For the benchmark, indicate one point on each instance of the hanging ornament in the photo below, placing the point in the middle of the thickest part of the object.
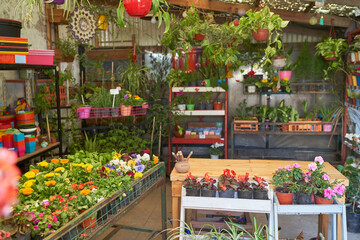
(321, 20)
(241, 12)
(319, 3)
(313, 20)
(153, 20)
(184, 14)
(137, 8)
(83, 24)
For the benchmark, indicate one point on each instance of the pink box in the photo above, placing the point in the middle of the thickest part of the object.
(8, 144)
(41, 57)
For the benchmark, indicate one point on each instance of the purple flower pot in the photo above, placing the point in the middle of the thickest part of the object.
(55, 2)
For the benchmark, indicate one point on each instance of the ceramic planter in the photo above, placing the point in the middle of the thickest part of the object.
(279, 62)
(193, 192)
(208, 193)
(260, 35)
(214, 156)
(263, 194)
(182, 167)
(136, 8)
(125, 110)
(246, 194)
(321, 200)
(181, 107)
(251, 89)
(201, 106)
(285, 74)
(284, 198)
(190, 106)
(227, 193)
(353, 221)
(209, 106)
(303, 198)
(218, 106)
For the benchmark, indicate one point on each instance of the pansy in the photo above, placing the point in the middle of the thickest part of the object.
(139, 168)
(138, 175)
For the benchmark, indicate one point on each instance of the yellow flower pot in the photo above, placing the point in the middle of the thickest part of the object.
(102, 22)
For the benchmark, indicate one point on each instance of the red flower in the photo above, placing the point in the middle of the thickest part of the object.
(189, 176)
(251, 74)
(196, 89)
(223, 187)
(206, 177)
(93, 186)
(233, 173)
(74, 186)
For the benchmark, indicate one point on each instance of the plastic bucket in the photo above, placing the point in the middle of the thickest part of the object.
(7, 121)
(285, 74)
(25, 118)
(83, 112)
(327, 127)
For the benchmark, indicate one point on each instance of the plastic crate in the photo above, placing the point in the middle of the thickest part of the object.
(305, 126)
(52, 95)
(246, 125)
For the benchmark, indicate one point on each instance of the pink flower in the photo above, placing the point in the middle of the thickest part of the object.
(45, 203)
(325, 177)
(329, 193)
(41, 214)
(306, 180)
(296, 165)
(7, 235)
(312, 166)
(49, 225)
(339, 189)
(54, 219)
(319, 159)
(308, 173)
(35, 227)
(197, 65)
(287, 167)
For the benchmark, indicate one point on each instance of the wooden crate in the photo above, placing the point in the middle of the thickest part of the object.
(191, 136)
(305, 126)
(246, 125)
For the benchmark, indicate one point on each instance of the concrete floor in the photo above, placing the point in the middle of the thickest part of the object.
(147, 214)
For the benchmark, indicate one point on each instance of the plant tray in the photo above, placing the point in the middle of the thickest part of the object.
(305, 126)
(246, 125)
(110, 112)
(206, 136)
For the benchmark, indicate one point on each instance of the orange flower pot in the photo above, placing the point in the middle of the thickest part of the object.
(285, 198)
(125, 110)
(218, 106)
(320, 200)
(89, 222)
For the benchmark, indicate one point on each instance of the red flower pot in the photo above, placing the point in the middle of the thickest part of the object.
(89, 222)
(331, 58)
(260, 35)
(218, 106)
(199, 37)
(285, 198)
(137, 8)
(321, 200)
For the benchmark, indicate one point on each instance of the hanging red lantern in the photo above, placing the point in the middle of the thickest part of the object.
(137, 8)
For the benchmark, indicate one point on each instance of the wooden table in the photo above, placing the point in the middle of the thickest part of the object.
(261, 168)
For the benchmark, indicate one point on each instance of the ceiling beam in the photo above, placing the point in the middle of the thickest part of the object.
(233, 8)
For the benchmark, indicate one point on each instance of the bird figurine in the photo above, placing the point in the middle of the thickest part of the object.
(21, 105)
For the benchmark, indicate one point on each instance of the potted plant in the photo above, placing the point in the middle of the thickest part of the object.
(263, 85)
(260, 189)
(250, 79)
(66, 49)
(227, 184)
(285, 85)
(273, 117)
(133, 77)
(352, 172)
(208, 186)
(218, 105)
(190, 102)
(327, 116)
(331, 48)
(175, 78)
(201, 104)
(100, 101)
(244, 190)
(244, 118)
(304, 189)
(192, 185)
(262, 114)
(207, 97)
(180, 100)
(216, 150)
(18, 224)
(285, 182)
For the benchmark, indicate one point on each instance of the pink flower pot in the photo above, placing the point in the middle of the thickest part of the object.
(285, 74)
(327, 127)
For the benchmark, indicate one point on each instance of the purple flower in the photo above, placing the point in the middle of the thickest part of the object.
(37, 221)
(139, 168)
(126, 96)
(138, 161)
(49, 225)
(133, 155)
(35, 227)
(110, 166)
(312, 166)
(287, 167)
(45, 203)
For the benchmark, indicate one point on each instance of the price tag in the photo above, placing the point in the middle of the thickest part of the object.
(114, 91)
(201, 136)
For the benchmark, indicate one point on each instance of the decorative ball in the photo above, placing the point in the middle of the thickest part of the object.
(313, 20)
(241, 12)
(153, 20)
(44, 144)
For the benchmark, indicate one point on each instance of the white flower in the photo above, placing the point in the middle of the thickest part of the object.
(145, 157)
(99, 200)
(114, 162)
(217, 145)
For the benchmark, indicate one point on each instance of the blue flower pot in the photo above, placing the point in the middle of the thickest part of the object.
(358, 80)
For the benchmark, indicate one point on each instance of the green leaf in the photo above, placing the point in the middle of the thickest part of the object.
(120, 14)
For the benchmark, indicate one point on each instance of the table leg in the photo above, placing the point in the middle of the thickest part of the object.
(333, 226)
(323, 226)
(163, 206)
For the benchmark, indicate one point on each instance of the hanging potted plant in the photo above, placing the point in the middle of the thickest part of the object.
(260, 188)
(331, 48)
(244, 190)
(216, 150)
(284, 180)
(227, 184)
(208, 188)
(192, 185)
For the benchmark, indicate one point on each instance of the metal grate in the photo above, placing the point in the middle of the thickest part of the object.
(109, 112)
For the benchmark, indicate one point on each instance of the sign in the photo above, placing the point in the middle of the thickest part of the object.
(114, 91)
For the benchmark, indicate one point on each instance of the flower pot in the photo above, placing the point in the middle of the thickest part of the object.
(260, 35)
(274, 128)
(53, 139)
(284, 198)
(260, 194)
(193, 83)
(83, 112)
(262, 127)
(207, 83)
(125, 110)
(10, 28)
(251, 89)
(181, 107)
(102, 22)
(208, 193)
(321, 200)
(214, 156)
(201, 106)
(330, 58)
(209, 106)
(182, 167)
(199, 37)
(220, 81)
(178, 135)
(303, 198)
(327, 127)
(190, 106)
(227, 193)
(284, 128)
(192, 192)
(136, 8)
(352, 220)
(352, 57)
(264, 89)
(247, 194)
(88, 222)
(218, 106)
(115, 112)
(358, 80)
(55, 2)
(285, 74)
(279, 62)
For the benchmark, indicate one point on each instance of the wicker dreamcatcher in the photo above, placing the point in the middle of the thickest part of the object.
(83, 24)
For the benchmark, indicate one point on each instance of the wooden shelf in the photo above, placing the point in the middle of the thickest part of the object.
(25, 66)
(197, 89)
(38, 150)
(201, 112)
(285, 133)
(197, 140)
(348, 145)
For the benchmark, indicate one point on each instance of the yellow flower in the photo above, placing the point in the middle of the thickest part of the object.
(49, 175)
(49, 183)
(156, 159)
(264, 80)
(107, 169)
(27, 191)
(120, 184)
(55, 160)
(35, 171)
(59, 169)
(64, 161)
(130, 95)
(78, 164)
(124, 194)
(29, 175)
(285, 79)
(137, 97)
(138, 175)
(43, 164)
(67, 180)
(85, 192)
(131, 163)
(29, 183)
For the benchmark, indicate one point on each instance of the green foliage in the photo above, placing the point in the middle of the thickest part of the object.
(101, 98)
(158, 84)
(191, 99)
(90, 145)
(133, 78)
(243, 112)
(327, 113)
(208, 96)
(286, 178)
(176, 77)
(68, 46)
(263, 113)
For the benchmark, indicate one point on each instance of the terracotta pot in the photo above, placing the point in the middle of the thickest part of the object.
(218, 106)
(321, 200)
(260, 35)
(125, 110)
(182, 167)
(89, 222)
(331, 58)
(53, 140)
(284, 198)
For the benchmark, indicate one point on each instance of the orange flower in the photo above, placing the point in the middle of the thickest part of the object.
(74, 186)
(49, 183)
(52, 198)
(93, 186)
(27, 191)
(35, 171)
(18, 178)
(64, 161)
(55, 160)
(89, 183)
(223, 187)
(156, 160)
(85, 192)
(81, 186)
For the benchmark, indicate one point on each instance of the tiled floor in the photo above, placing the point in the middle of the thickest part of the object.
(147, 214)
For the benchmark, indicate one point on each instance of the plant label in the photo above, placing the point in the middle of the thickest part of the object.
(114, 91)
(201, 136)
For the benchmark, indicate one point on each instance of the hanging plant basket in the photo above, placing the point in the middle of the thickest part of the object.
(137, 8)
(260, 35)
(55, 2)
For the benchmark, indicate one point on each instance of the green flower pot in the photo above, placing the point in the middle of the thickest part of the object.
(190, 106)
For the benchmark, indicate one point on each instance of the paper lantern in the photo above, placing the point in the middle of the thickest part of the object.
(137, 8)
